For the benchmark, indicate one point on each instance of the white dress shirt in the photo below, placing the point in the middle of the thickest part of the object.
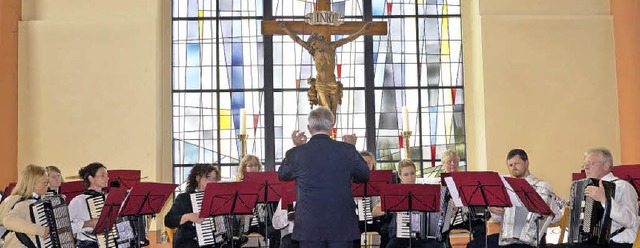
(624, 210)
(78, 214)
(281, 221)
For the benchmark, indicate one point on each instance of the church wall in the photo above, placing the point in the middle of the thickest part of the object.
(548, 84)
(91, 86)
(539, 75)
(626, 26)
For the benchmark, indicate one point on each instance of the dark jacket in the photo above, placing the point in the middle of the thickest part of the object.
(185, 235)
(323, 169)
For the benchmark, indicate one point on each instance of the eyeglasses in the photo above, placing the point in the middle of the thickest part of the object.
(589, 164)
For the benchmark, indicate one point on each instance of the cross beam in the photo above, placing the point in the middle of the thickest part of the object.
(300, 27)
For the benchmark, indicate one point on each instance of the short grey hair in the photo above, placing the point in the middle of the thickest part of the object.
(321, 119)
(605, 154)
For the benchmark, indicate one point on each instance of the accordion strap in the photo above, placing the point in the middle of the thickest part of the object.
(23, 238)
(26, 241)
(620, 230)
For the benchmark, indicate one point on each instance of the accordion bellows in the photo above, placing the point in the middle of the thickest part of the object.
(589, 221)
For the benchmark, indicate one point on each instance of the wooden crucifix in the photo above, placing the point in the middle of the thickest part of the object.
(325, 89)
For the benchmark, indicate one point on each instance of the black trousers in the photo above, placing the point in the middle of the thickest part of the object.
(413, 243)
(86, 244)
(326, 244)
(492, 241)
(587, 245)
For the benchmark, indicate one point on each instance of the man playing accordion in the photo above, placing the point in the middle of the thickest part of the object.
(618, 225)
(518, 226)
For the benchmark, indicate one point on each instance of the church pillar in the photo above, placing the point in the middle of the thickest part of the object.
(626, 27)
(539, 75)
(9, 17)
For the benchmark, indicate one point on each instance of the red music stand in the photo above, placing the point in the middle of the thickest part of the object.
(270, 189)
(124, 178)
(410, 197)
(7, 191)
(233, 198)
(109, 212)
(479, 188)
(530, 199)
(578, 176)
(269, 193)
(71, 189)
(289, 197)
(528, 196)
(373, 186)
(630, 173)
(145, 199)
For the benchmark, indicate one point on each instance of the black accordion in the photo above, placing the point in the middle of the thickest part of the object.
(212, 230)
(52, 212)
(120, 235)
(589, 221)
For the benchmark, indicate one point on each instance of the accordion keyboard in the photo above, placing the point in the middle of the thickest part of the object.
(364, 208)
(205, 231)
(105, 239)
(53, 213)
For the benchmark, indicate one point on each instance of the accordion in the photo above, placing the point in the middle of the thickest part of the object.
(589, 222)
(411, 225)
(212, 230)
(119, 235)
(519, 226)
(446, 213)
(52, 212)
(365, 208)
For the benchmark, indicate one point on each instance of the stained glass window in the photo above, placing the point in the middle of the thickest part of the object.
(222, 63)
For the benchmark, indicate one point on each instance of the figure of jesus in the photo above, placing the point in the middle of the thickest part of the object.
(325, 90)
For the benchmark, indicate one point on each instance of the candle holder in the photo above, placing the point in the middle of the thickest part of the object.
(243, 144)
(407, 149)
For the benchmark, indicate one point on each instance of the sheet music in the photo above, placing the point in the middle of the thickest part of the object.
(453, 190)
(515, 200)
(428, 180)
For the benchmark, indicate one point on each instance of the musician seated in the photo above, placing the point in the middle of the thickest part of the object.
(95, 178)
(375, 218)
(518, 165)
(55, 180)
(459, 218)
(22, 232)
(598, 164)
(407, 175)
(257, 223)
(181, 214)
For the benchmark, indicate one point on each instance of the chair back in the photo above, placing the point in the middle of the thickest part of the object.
(562, 223)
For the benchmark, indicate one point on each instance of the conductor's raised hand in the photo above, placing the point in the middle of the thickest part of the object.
(350, 138)
(298, 138)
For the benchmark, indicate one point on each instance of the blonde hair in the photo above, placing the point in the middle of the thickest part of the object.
(448, 155)
(370, 155)
(242, 166)
(28, 178)
(404, 164)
